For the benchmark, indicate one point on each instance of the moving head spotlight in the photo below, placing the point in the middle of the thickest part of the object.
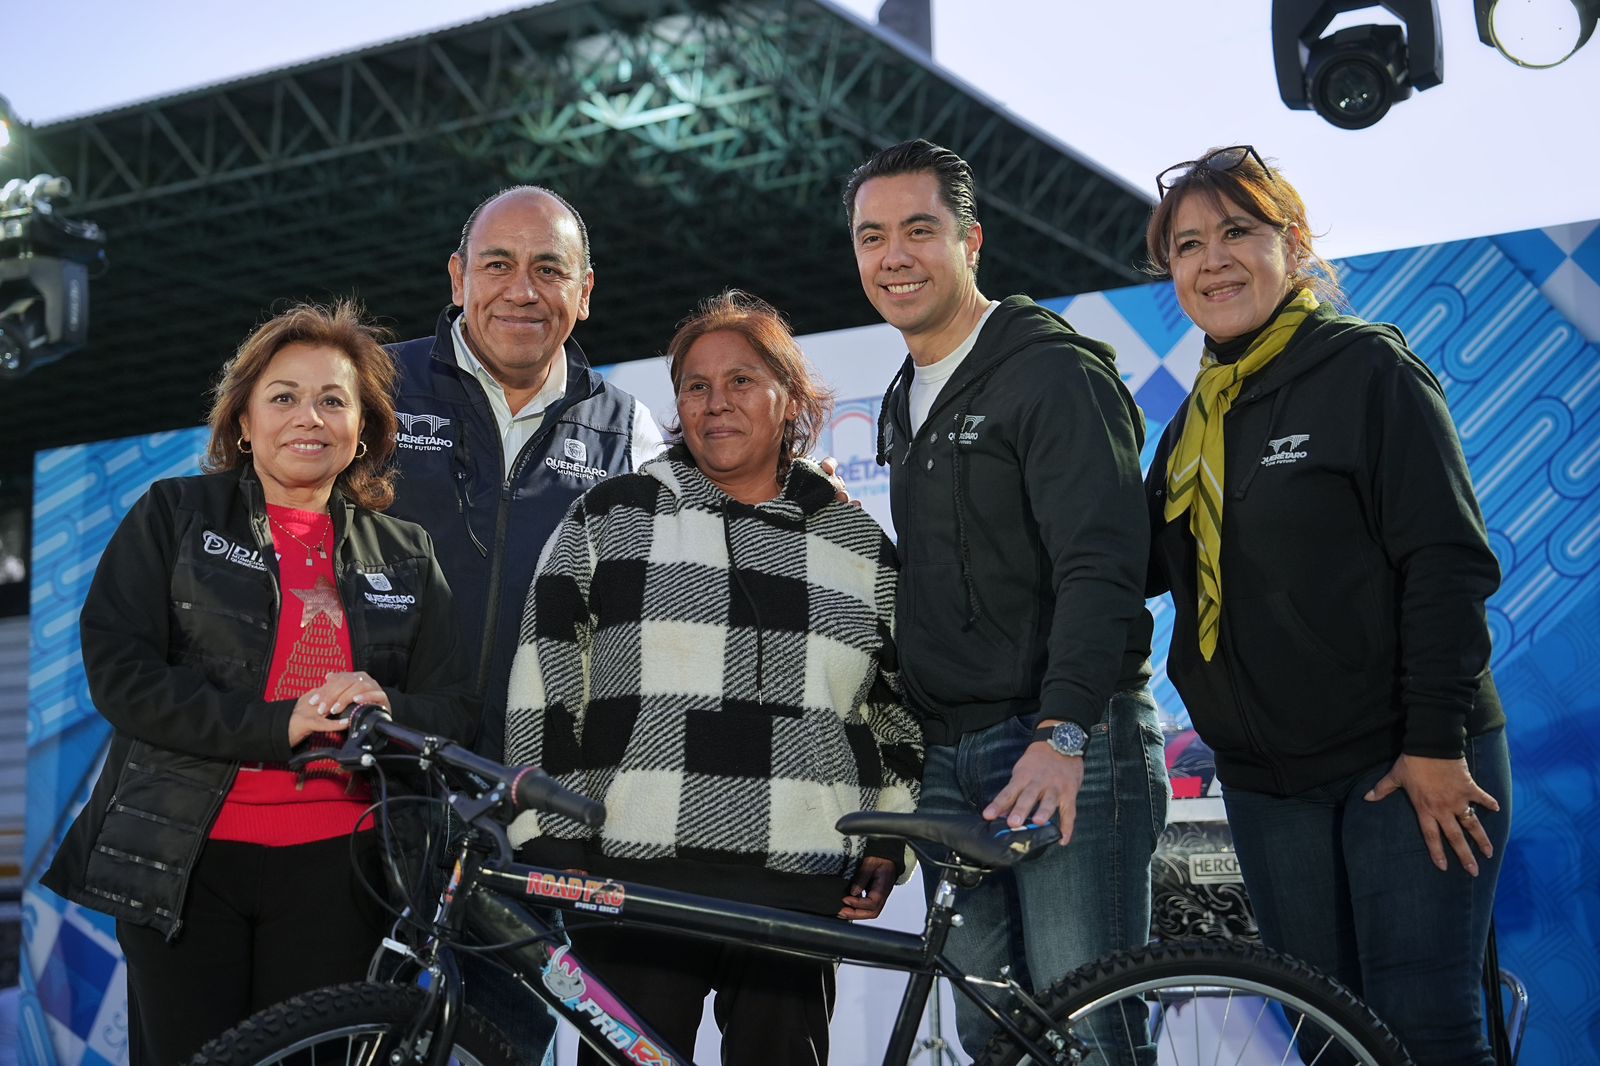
(1351, 78)
(44, 274)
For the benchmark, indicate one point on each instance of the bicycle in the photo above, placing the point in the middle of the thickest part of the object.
(412, 1013)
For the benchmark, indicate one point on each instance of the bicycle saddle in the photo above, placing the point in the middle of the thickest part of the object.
(992, 844)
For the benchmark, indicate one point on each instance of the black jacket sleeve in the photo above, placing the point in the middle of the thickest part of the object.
(125, 627)
(1430, 527)
(1080, 465)
(1157, 580)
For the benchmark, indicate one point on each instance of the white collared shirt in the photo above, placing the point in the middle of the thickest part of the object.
(516, 427)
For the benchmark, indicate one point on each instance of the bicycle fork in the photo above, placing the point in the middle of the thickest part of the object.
(440, 1013)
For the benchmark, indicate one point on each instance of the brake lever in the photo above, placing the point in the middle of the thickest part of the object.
(355, 748)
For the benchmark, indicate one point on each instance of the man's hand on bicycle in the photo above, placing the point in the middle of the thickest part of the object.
(869, 890)
(1042, 784)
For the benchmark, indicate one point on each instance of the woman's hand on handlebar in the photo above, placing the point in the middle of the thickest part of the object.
(325, 709)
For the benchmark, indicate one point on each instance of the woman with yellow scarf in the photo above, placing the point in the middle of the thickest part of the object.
(1313, 517)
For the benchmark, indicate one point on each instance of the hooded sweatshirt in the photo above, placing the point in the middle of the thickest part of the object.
(722, 677)
(1021, 528)
(1355, 566)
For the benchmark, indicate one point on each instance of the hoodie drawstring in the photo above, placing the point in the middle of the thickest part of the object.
(755, 611)
(883, 412)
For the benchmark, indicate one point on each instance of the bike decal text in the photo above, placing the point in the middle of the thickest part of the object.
(585, 893)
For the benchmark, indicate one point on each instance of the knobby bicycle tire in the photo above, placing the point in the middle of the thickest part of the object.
(346, 1024)
(1254, 995)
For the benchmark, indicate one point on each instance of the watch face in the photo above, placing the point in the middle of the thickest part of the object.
(1069, 738)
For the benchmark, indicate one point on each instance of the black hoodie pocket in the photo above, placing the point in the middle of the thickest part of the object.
(963, 661)
(1303, 693)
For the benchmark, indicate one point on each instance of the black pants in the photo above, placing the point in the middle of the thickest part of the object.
(260, 925)
(772, 1009)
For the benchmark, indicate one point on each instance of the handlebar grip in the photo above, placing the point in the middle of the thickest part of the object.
(534, 789)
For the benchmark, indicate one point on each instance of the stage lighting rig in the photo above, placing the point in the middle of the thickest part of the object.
(1352, 77)
(44, 269)
(1536, 33)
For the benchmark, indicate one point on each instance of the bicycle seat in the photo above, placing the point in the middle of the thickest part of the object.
(992, 844)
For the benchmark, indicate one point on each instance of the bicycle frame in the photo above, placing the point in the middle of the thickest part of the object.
(549, 969)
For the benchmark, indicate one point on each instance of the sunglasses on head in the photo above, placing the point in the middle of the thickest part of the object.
(1221, 161)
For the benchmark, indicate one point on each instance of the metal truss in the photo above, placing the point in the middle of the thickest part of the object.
(705, 142)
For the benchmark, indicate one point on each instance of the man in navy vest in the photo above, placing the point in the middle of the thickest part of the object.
(503, 424)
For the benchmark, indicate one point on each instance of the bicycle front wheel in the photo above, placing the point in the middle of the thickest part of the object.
(352, 1025)
(1208, 1002)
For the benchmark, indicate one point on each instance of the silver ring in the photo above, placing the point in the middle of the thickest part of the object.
(1470, 814)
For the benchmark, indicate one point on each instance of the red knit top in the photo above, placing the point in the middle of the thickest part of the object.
(270, 804)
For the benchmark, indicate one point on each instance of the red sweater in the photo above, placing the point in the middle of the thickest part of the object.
(270, 804)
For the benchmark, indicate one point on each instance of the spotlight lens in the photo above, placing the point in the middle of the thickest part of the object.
(1352, 88)
(1352, 92)
(1535, 33)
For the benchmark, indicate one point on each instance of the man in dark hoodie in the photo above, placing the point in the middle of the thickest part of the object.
(1013, 449)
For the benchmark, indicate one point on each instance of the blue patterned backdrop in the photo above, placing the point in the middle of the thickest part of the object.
(1510, 326)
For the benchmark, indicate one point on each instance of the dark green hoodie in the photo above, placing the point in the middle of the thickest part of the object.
(1021, 529)
(1355, 567)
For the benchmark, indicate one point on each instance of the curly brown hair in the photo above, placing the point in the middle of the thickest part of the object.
(369, 480)
(765, 329)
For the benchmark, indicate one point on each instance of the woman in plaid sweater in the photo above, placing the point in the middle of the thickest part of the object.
(707, 647)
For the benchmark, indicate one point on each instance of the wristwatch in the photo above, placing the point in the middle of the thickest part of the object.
(1064, 738)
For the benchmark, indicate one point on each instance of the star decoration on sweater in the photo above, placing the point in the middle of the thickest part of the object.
(323, 599)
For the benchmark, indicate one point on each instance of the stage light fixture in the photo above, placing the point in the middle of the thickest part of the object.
(1352, 77)
(1537, 34)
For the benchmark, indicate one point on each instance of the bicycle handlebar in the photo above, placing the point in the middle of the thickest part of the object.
(528, 787)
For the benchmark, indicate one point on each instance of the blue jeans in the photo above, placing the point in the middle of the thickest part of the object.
(1071, 905)
(1348, 886)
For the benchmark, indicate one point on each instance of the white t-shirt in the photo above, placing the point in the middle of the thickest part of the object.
(927, 381)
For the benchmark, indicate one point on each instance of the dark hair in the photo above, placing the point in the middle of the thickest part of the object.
(1266, 195)
(763, 326)
(956, 187)
(472, 219)
(368, 480)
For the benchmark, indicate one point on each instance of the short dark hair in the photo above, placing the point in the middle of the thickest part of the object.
(472, 219)
(764, 328)
(368, 480)
(956, 186)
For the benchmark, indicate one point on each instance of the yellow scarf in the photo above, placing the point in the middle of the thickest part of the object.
(1195, 467)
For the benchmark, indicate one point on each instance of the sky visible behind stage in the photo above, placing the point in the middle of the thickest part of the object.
(1133, 85)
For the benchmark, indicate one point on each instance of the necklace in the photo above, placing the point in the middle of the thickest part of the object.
(321, 547)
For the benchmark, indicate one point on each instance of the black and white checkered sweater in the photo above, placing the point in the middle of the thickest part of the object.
(726, 713)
